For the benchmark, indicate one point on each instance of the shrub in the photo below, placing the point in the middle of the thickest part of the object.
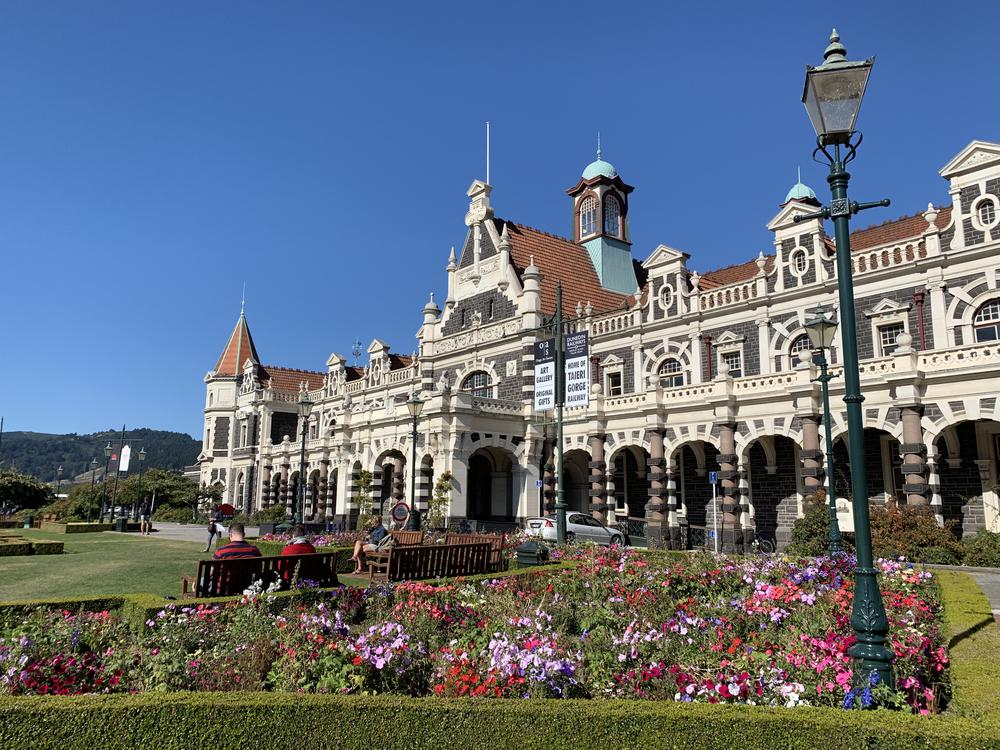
(274, 514)
(982, 550)
(173, 514)
(810, 534)
(15, 549)
(47, 548)
(912, 533)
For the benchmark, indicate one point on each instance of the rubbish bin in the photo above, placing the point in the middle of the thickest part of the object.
(29, 521)
(531, 553)
(121, 524)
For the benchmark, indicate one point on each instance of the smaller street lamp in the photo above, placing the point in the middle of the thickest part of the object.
(138, 490)
(108, 450)
(822, 327)
(415, 405)
(59, 472)
(90, 498)
(304, 406)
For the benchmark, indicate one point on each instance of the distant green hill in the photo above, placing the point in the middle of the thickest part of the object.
(40, 454)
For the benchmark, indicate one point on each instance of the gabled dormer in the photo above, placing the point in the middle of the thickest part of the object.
(974, 185)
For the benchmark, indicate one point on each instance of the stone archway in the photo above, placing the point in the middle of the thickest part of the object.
(966, 472)
(774, 487)
(691, 463)
(628, 481)
(576, 481)
(490, 495)
(883, 467)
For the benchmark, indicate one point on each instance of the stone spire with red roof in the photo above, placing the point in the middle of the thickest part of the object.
(238, 350)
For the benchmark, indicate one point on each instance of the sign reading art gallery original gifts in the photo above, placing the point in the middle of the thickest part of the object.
(577, 370)
(545, 375)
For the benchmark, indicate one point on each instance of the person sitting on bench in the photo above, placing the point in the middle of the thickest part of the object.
(377, 534)
(238, 546)
(299, 545)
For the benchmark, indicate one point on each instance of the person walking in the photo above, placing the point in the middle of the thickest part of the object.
(145, 517)
(214, 527)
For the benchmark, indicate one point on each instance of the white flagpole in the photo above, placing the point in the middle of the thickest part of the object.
(487, 152)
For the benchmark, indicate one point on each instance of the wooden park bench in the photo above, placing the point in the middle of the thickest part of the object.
(407, 538)
(233, 576)
(429, 561)
(498, 560)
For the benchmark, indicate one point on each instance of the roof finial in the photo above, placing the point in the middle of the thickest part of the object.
(835, 52)
(243, 299)
(598, 145)
(799, 178)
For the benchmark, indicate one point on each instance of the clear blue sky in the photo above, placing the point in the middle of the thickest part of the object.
(154, 156)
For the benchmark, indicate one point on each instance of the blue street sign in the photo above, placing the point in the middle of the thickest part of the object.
(711, 532)
(538, 483)
(713, 477)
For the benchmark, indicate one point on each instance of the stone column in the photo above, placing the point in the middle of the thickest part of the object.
(548, 476)
(914, 452)
(397, 480)
(265, 486)
(673, 520)
(732, 536)
(655, 507)
(746, 521)
(811, 454)
(283, 486)
(375, 507)
(324, 487)
(599, 507)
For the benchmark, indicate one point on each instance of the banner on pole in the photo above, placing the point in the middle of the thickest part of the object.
(126, 455)
(577, 370)
(545, 375)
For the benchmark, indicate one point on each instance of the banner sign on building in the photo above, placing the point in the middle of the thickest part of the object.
(545, 375)
(126, 456)
(577, 370)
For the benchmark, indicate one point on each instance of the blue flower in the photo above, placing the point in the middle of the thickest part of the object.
(874, 678)
(849, 699)
(866, 697)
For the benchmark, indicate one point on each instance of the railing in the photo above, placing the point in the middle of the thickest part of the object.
(355, 386)
(771, 382)
(688, 392)
(614, 323)
(634, 530)
(632, 399)
(400, 376)
(876, 367)
(496, 405)
(874, 260)
(727, 295)
(960, 357)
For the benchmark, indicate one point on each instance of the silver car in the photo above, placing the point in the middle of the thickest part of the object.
(579, 527)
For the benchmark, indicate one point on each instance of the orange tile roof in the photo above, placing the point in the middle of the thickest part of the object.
(238, 349)
(896, 230)
(288, 378)
(735, 273)
(561, 260)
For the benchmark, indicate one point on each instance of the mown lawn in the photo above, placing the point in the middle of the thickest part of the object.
(99, 564)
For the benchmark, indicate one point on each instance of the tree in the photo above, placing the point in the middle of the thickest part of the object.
(172, 492)
(22, 491)
(437, 506)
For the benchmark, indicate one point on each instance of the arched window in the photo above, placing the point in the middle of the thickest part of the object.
(489, 310)
(671, 374)
(799, 344)
(987, 213)
(588, 216)
(612, 217)
(800, 261)
(987, 321)
(478, 384)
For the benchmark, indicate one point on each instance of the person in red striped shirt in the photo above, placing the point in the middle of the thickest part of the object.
(299, 545)
(238, 546)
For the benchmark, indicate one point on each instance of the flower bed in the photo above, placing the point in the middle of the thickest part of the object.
(617, 625)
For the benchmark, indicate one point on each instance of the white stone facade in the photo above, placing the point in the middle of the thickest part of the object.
(693, 372)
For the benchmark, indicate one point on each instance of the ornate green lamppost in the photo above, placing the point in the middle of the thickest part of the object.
(90, 497)
(305, 406)
(414, 406)
(821, 329)
(832, 97)
(108, 450)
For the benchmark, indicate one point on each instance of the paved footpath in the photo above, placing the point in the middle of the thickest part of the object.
(184, 532)
(988, 580)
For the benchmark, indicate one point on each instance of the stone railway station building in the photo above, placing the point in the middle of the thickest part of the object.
(692, 371)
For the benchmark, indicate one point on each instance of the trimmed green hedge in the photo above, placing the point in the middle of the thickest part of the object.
(15, 549)
(189, 721)
(47, 548)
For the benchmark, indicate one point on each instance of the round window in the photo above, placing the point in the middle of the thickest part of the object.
(666, 296)
(799, 262)
(986, 212)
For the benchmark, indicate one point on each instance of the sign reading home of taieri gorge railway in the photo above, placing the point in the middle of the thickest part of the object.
(577, 370)
(545, 375)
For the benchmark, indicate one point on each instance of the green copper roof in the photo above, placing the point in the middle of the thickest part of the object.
(800, 191)
(599, 168)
